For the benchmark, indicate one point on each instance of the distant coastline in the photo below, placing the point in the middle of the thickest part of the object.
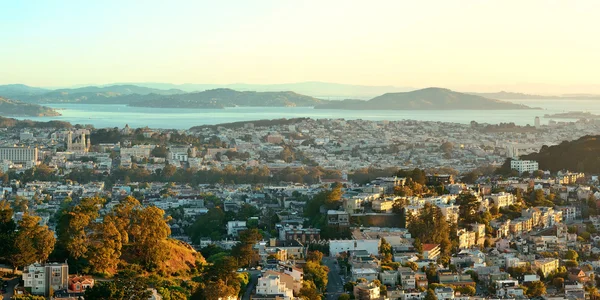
(572, 115)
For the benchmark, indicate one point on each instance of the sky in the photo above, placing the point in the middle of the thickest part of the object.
(535, 46)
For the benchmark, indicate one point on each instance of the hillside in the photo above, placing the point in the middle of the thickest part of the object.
(425, 99)
(10, 90)
(123, 89)
(149, 97)
(221, 98)
(115, 94)
(10, 123)
(311, 88)
(579, 155)
(182, 258)
(17, 108)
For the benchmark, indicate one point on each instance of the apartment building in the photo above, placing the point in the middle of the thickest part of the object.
(41, 277)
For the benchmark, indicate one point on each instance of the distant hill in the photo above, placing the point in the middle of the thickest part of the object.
(17, 108)
(10, 90)
(173, 98)
(580, 155)
(313, 88)
(94, 94)
(11, 123)
(424, 99)
(221, 98)
(520, 96)
(121, 90)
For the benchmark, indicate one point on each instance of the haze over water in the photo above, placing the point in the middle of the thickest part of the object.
(101, 116)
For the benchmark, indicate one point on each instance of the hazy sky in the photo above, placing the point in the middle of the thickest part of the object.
(529, 46)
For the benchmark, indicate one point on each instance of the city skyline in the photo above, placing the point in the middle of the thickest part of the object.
(533, 47)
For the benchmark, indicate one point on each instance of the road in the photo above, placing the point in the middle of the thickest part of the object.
(335, 285)
(10, 289)
(250, 287)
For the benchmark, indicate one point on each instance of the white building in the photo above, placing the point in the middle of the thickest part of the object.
(137, 151)
(338, 246)
(503, 199)
(234, 227)
(40, 277)
(19, 154)
(272, 285)
(524, 165)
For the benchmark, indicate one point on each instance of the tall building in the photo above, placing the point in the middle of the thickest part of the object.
(537, 122)
(19, 154)
(41, 277)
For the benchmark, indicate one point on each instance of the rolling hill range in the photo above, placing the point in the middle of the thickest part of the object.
(424, 99)
(10, 107)
(140, 96)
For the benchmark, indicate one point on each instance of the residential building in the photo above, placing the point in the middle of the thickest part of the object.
(338, 246)
(271, 285)
(234, 227)
(431, 251)
(545, 265)
(366, 291)
(78, 284)
(524, 165)
(444, 293)
(338, 218)
(41, 277)
(389, 277)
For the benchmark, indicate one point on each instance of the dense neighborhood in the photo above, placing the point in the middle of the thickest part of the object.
(297, 209)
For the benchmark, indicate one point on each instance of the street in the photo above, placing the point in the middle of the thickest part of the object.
(10, 288)
(250, 287)
(335, 286)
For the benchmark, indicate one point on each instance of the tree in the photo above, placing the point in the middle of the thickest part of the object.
(7, 230)
(468, 204)
(411, 264)
(430, 295)
(309, 291)
(105, 248)
(430, 226)
(217, 290)
(385, 248)
(72, 226)
(149, 232)
(160, 151)
(349, 286)
(536, 289)
(315, 256)
(558, 282)
(571, 255)
(121, 216)
(344, 297)
(244, 250)
(418, 246)
(33, 242)
(466, 290)
(316, 273)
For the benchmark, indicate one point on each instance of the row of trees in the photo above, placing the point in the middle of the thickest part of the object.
(169, 173)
